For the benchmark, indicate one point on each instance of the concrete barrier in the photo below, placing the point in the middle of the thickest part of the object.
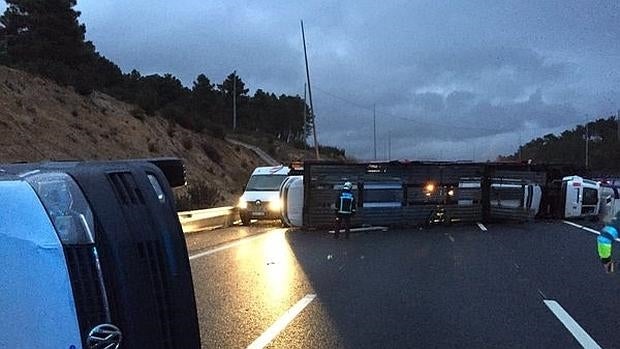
(212, 218)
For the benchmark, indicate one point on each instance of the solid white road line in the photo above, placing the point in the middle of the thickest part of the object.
(482, 227)
(593, 231)
(357, 230)
(272, 332)
(571, 325)
(229, 245)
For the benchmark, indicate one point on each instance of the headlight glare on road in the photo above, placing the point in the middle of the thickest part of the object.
(242, 204)
(275, 205)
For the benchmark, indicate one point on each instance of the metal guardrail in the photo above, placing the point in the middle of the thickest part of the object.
(209, 219)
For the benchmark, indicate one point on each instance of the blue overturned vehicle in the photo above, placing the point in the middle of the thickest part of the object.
(93, 256)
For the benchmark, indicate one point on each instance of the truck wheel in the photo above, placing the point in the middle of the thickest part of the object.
(245, 218)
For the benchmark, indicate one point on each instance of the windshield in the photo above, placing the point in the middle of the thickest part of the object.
(265, 182)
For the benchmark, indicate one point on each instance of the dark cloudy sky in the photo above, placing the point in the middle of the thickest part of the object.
(450, 79)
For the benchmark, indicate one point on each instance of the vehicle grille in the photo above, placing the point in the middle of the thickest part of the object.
(126, 189)
(255, 207)
(151, 255)
(86, 285)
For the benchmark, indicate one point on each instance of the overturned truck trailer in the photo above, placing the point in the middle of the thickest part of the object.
(420, 193)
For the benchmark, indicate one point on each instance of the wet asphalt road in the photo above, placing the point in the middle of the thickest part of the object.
(440, 287)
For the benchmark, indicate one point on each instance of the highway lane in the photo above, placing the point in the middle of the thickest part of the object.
(441, 287)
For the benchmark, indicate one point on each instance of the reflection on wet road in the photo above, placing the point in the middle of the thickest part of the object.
(444, 287)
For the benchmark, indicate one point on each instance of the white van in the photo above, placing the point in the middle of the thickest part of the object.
(261, 199)
(580, 197)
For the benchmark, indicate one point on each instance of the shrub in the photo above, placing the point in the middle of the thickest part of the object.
(211, 152)
(271, 150)
(171, 131)
(75, 113)
(153, 148)
(218, 131)
(185, 121)
(198, 196)
(331, 151)
(138, 113)
(187, 143)
(299, 144)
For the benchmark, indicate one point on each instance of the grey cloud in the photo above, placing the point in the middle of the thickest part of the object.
(444, 76)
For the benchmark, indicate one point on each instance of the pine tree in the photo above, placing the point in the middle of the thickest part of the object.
(46, 38)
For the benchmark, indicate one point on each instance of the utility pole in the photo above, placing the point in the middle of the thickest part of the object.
(389, 145)
(305, 117)
(473, 153)
(618, 124)
(520, 159)
(587, 143)
(234, 99)
(374, 129)
(316, 143)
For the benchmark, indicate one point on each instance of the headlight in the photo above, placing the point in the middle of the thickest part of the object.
(242, 204)
(451, 192)
(430, 187)
(275, 205)
(66, 206)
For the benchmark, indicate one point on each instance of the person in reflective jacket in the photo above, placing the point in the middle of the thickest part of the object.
(605, 241)
(345, 209)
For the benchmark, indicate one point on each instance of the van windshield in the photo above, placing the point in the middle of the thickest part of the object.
(265, 182)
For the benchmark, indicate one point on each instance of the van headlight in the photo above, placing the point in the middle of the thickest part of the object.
(275, 205)
(66, 207)
(242, 204)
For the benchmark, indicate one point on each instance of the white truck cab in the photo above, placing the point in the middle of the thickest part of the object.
(292, 198)
(580, 197)
(93, 256)
(261, 198)
(610, 201)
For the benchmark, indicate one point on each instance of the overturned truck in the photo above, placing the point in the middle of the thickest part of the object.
(421, 193)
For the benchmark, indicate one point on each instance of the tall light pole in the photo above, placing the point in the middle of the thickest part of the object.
(316, 143)
(389, 145)
(234, 99)
(374, 130)
(305, 118)
(587, 143)
(519, 147)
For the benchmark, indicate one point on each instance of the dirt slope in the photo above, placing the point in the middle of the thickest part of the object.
(41, 121)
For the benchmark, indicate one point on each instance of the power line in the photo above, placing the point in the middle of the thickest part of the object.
(434, 124)
(370, 107)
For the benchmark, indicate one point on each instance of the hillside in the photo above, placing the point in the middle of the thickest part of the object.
(569, 146)
(41, 121)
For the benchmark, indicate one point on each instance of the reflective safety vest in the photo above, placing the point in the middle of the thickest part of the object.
(608, 235)
(345, 203)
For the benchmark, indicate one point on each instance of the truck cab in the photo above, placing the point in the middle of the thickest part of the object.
(580, 197)
(261, 199)
(93, 256)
